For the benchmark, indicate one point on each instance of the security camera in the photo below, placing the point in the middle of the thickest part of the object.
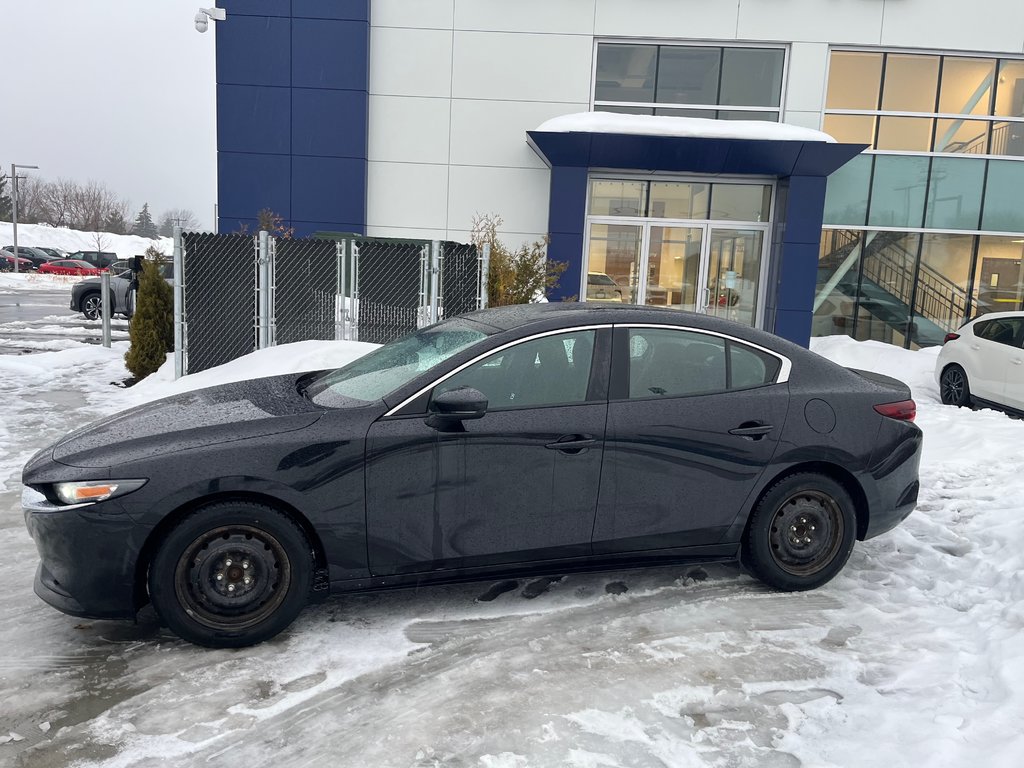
(203, 15)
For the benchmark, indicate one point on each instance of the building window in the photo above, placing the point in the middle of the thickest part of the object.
(913, 102)
(724, 82)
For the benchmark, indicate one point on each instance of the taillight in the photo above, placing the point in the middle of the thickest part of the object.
(904, 410)
(951, 337)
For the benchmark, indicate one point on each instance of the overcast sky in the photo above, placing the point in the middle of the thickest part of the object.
(117, 91)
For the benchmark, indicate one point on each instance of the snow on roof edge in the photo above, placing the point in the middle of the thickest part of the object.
(690, 127)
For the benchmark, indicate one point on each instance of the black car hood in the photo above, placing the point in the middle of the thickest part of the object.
(194, 419)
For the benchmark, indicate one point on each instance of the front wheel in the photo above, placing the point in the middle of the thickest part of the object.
(801, 533)
(92, 306)
(231, 575)
(953, 387)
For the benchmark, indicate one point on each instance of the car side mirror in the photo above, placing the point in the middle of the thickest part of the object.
(450, 409)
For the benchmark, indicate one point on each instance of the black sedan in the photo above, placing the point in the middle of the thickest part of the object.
(543, 438)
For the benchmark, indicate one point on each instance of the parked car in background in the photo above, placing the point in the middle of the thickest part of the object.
(7, 262)
(36, 255)
(600, 287)
(543, 438)
(69, 267)
(57, 253)
(983, 363)
(86, 295)
(98, 259)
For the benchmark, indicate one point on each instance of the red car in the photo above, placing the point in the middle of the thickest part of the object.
(69, 267)
(7, 263)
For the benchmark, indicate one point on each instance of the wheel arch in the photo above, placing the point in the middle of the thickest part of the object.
(832, 471)
(148, 551)
(85, 295)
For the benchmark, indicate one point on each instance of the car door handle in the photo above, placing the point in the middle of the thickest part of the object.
(572, 443)
(752, 429)
(1018, 361)
(975, 346)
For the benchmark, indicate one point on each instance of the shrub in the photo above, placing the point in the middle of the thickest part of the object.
(515, 277)
(152, 328)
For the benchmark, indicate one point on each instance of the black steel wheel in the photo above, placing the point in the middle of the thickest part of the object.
(801, 532)
(231, 575)
(92, 306)
(953, 386)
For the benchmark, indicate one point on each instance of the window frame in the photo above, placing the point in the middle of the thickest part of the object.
(779, 110)
(619, 386)
(936, 116)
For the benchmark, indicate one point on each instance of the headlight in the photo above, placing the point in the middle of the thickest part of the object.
(90, 491)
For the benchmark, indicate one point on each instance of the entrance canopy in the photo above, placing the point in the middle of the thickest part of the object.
(799, 159)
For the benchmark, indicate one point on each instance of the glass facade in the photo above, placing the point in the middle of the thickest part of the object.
(690, 80)
(922, 230)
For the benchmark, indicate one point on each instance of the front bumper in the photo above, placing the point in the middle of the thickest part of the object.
(88, 557)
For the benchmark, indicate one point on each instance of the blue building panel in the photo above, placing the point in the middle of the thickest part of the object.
(330, 54)
(807, 209)
(567, 247)
(328, 189)
(254, 50)
(352, 10)
(329, 123)
(254, 118)
(256, 7)
(248, 183)
(797, 276)
(568, 200)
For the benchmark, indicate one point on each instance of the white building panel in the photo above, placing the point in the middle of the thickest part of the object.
(494, 132)
(409, 130)
(847, 21)
(406, 195)
(410, 62)
(504, 66)
(996, 25)
(684, 19)
(805, 89)
(414, 14)
(573, 17)
(519, 196)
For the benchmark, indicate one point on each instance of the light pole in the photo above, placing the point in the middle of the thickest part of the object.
(14, 205)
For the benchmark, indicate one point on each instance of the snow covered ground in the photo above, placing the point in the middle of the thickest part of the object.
(913, 657)
(71, 240)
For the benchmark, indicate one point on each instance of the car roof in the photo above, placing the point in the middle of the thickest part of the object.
(996, 316)
(549, 315)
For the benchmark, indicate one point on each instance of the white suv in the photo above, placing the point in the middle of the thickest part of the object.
(984, 362)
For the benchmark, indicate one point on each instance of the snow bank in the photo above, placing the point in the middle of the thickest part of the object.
(689, 127)
(71, 240)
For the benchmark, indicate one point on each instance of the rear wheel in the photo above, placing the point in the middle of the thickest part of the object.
(801, 532)
(953, 387)
(232, 574)
(92, 306)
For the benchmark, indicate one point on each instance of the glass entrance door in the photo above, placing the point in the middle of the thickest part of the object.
(699, 267)
(734, 273)
(674, 257)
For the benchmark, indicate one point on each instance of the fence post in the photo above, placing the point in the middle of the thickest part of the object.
(435, 279)
(485, 268)
(354, 273)
(340, 299)
(179, 304)
(263, 290)
(272, 292)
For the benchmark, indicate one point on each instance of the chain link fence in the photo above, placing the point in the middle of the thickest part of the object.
(239, 293)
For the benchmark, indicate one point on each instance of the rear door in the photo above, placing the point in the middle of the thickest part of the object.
(1013, 369)
(994, 348)
(693, 419)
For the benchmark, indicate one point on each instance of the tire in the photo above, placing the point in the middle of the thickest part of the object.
(231, 574)
(801, 533)
(953, 387)
(91, 306)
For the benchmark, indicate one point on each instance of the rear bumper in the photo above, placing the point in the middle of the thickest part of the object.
(895, 472)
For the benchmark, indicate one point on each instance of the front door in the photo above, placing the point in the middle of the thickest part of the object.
(519, 484)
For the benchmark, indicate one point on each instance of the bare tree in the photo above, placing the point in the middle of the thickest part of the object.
(182, 217)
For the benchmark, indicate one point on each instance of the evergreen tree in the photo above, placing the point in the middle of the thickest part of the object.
(144, 225)
(152, 327)
(115, 223)
(6, 205)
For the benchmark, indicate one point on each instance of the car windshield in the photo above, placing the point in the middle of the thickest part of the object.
(390, 367)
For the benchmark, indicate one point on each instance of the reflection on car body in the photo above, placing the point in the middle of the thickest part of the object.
(541, 438)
